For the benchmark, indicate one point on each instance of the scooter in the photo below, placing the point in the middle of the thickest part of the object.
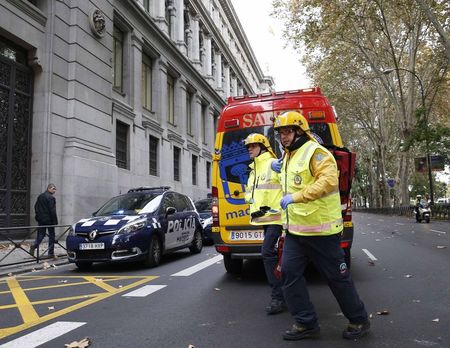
(423, 212)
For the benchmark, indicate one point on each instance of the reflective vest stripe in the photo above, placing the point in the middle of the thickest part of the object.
(270, 186)
(311, 229)
(273, 217)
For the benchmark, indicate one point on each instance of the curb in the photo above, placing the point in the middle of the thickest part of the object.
(10, 271)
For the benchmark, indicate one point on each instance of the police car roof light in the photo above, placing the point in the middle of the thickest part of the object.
(146, 188)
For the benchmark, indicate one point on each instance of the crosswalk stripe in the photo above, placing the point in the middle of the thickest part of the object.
(41, 336)
(198, 267)
(144, 291)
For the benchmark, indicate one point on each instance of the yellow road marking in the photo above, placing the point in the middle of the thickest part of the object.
(100, 283)
(90, 299)
(23, 303)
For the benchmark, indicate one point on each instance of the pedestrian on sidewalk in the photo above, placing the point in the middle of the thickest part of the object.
(263, 193)
(313, 220)
(45, 209)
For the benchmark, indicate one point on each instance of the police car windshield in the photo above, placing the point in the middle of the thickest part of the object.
(130, 204)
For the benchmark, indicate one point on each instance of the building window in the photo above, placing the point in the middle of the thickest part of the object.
(122, 145)
(194, 169)
(203, 125)
(208, 174)
(176, 163)
(147, 4)
(153, 158)
(189, 98)
(170, 99)
(117, 59)
(146, 82)
(168, 6)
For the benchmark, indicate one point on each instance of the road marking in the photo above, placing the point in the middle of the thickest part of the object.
(399, 223)
(368, 253)
(24, 305)
(198, 267)
(438, 231)
(43, 335)
(26, 308)
(144, 291)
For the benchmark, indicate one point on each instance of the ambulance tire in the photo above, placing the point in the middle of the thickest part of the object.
(233, 266)
(197, 244)
(153, 258)
(348, 257)
(84, 266)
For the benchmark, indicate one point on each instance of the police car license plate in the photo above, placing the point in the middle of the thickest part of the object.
(247, 235)
(92, 246)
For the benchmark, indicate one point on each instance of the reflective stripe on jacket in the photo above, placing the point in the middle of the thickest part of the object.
(310, 175)
(264, 190)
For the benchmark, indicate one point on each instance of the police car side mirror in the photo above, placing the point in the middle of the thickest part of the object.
(170, 210)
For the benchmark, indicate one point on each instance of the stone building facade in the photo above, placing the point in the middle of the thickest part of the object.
(98, 96)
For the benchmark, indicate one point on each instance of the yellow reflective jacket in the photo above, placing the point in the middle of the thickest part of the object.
(264, 190)
(310, 174)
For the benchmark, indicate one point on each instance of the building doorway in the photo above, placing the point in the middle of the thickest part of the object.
(16, 81)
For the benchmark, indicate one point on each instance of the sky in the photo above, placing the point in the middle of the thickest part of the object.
(265, 36)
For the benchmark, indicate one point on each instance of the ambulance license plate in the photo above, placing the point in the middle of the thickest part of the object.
(247, 235)
(92, 246)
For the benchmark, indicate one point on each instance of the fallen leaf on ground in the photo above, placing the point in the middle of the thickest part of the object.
(441, 247)
(46, 265)
(371, 263)
(191, 346)
(436, 320)
(98, 279)
(383, 312)
(85, 342)
(370, 316)
(51, 308)
(416, 301)
(63, 281)
(408, 276)
(217, 289)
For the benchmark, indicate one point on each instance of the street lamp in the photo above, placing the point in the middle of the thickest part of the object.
(422, 93)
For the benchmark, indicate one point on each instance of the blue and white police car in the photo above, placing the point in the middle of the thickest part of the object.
(143, 224)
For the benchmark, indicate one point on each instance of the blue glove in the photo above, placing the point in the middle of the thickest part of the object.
(276, 165)
(286, 200)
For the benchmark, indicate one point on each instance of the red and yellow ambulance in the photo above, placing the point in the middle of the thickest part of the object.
(233, 235)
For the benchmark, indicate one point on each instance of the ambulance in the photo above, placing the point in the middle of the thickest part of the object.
(232, 233)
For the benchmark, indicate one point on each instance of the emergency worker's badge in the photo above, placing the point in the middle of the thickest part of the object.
(297, 180)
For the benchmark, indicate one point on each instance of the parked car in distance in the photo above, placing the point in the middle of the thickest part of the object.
(204, 210)
(143, 224)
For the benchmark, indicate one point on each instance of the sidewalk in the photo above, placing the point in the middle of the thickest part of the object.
(27, 262)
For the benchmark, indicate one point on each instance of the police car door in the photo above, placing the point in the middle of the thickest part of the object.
(168, 220)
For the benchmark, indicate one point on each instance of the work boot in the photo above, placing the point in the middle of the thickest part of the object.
(275, 307)
(355, 331)
(299, 332)
(32, 249)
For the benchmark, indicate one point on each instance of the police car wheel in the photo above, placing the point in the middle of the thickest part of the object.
(83, 265)
(197, 243)
(233, 266)
(153, 258)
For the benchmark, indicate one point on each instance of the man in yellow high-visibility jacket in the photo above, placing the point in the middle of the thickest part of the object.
(313, 221)
(263, 193)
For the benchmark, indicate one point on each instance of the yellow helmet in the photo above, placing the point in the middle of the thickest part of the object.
(291, 119)
(256, 138)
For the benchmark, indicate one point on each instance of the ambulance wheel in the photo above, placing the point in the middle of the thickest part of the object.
(348, 257)
(233, 266)
(153, 258)
(197, 244)
(84, 266)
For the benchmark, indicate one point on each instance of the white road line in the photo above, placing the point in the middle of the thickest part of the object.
(438, 231)
(41, 336)
(399, 223)
(368, 253)
(144, 291)
(191, 270)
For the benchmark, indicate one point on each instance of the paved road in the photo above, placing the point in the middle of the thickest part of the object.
(400, 269)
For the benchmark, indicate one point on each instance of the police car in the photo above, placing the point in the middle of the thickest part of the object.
(143, 224)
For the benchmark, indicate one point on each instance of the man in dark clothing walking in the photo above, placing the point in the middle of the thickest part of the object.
(45, 209)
